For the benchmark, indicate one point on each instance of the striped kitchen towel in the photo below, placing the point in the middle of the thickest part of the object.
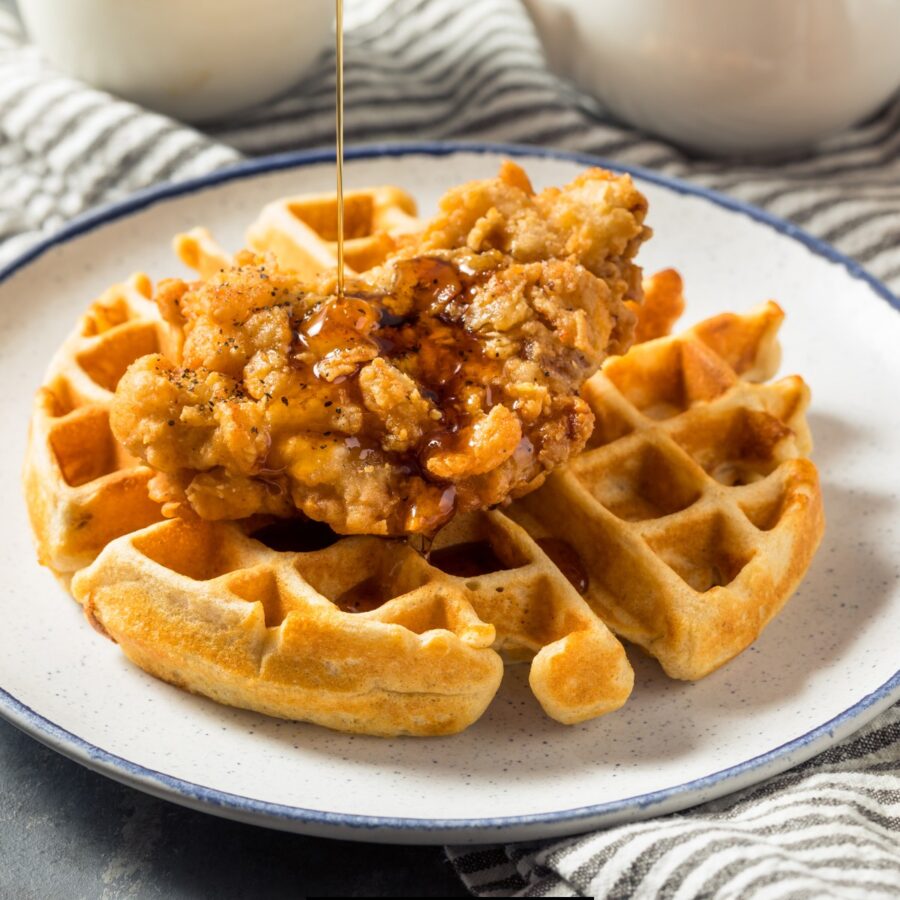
(414, 69)
(447, 69)
(828, 828)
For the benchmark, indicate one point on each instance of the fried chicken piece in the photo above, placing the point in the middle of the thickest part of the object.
(447, 381)
(596, 220)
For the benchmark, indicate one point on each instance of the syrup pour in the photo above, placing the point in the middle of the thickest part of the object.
(418, 322)
(467, 560)
(565, 557)
(339, 137)
(298, 535)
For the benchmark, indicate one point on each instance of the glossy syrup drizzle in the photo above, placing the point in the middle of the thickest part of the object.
(339, 137)
(565, 557)
(467, 560)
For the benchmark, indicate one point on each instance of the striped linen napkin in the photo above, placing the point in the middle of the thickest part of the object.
(828, 828)
(442, 69)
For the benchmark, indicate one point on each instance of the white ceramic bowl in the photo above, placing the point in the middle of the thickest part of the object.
(194, 60)
(735, 77)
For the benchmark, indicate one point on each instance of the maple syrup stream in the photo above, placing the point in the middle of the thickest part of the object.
(339, 137)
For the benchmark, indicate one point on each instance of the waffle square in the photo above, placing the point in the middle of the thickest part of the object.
(694, 507)
(83, 489)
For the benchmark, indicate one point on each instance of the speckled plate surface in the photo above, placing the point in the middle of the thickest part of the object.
(824, 667)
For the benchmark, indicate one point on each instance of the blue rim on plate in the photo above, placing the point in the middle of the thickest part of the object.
(284, 816)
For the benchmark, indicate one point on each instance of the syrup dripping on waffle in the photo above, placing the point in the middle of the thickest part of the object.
(339, 137)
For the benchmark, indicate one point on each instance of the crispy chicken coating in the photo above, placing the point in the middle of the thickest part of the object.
(447, 381)
(597, 220)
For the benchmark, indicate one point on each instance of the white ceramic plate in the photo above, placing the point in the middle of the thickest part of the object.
(823, 668)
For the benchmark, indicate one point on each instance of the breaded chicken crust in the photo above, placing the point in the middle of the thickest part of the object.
(447, 381)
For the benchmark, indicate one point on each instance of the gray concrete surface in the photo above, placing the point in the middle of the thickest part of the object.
(68, 833)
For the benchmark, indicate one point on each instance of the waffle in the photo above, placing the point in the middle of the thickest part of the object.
(662, 305)
(82, 488)
(301, 232)
(291, 633)
(694, 508)
(363, 635)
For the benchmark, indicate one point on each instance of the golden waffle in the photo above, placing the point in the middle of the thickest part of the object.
(199, 250)
(209, 608)
(363, 635)
(693, 508)
(301, 232)
(662, 305)
(82, 488)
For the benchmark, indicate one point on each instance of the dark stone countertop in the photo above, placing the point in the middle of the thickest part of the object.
(67, 832)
